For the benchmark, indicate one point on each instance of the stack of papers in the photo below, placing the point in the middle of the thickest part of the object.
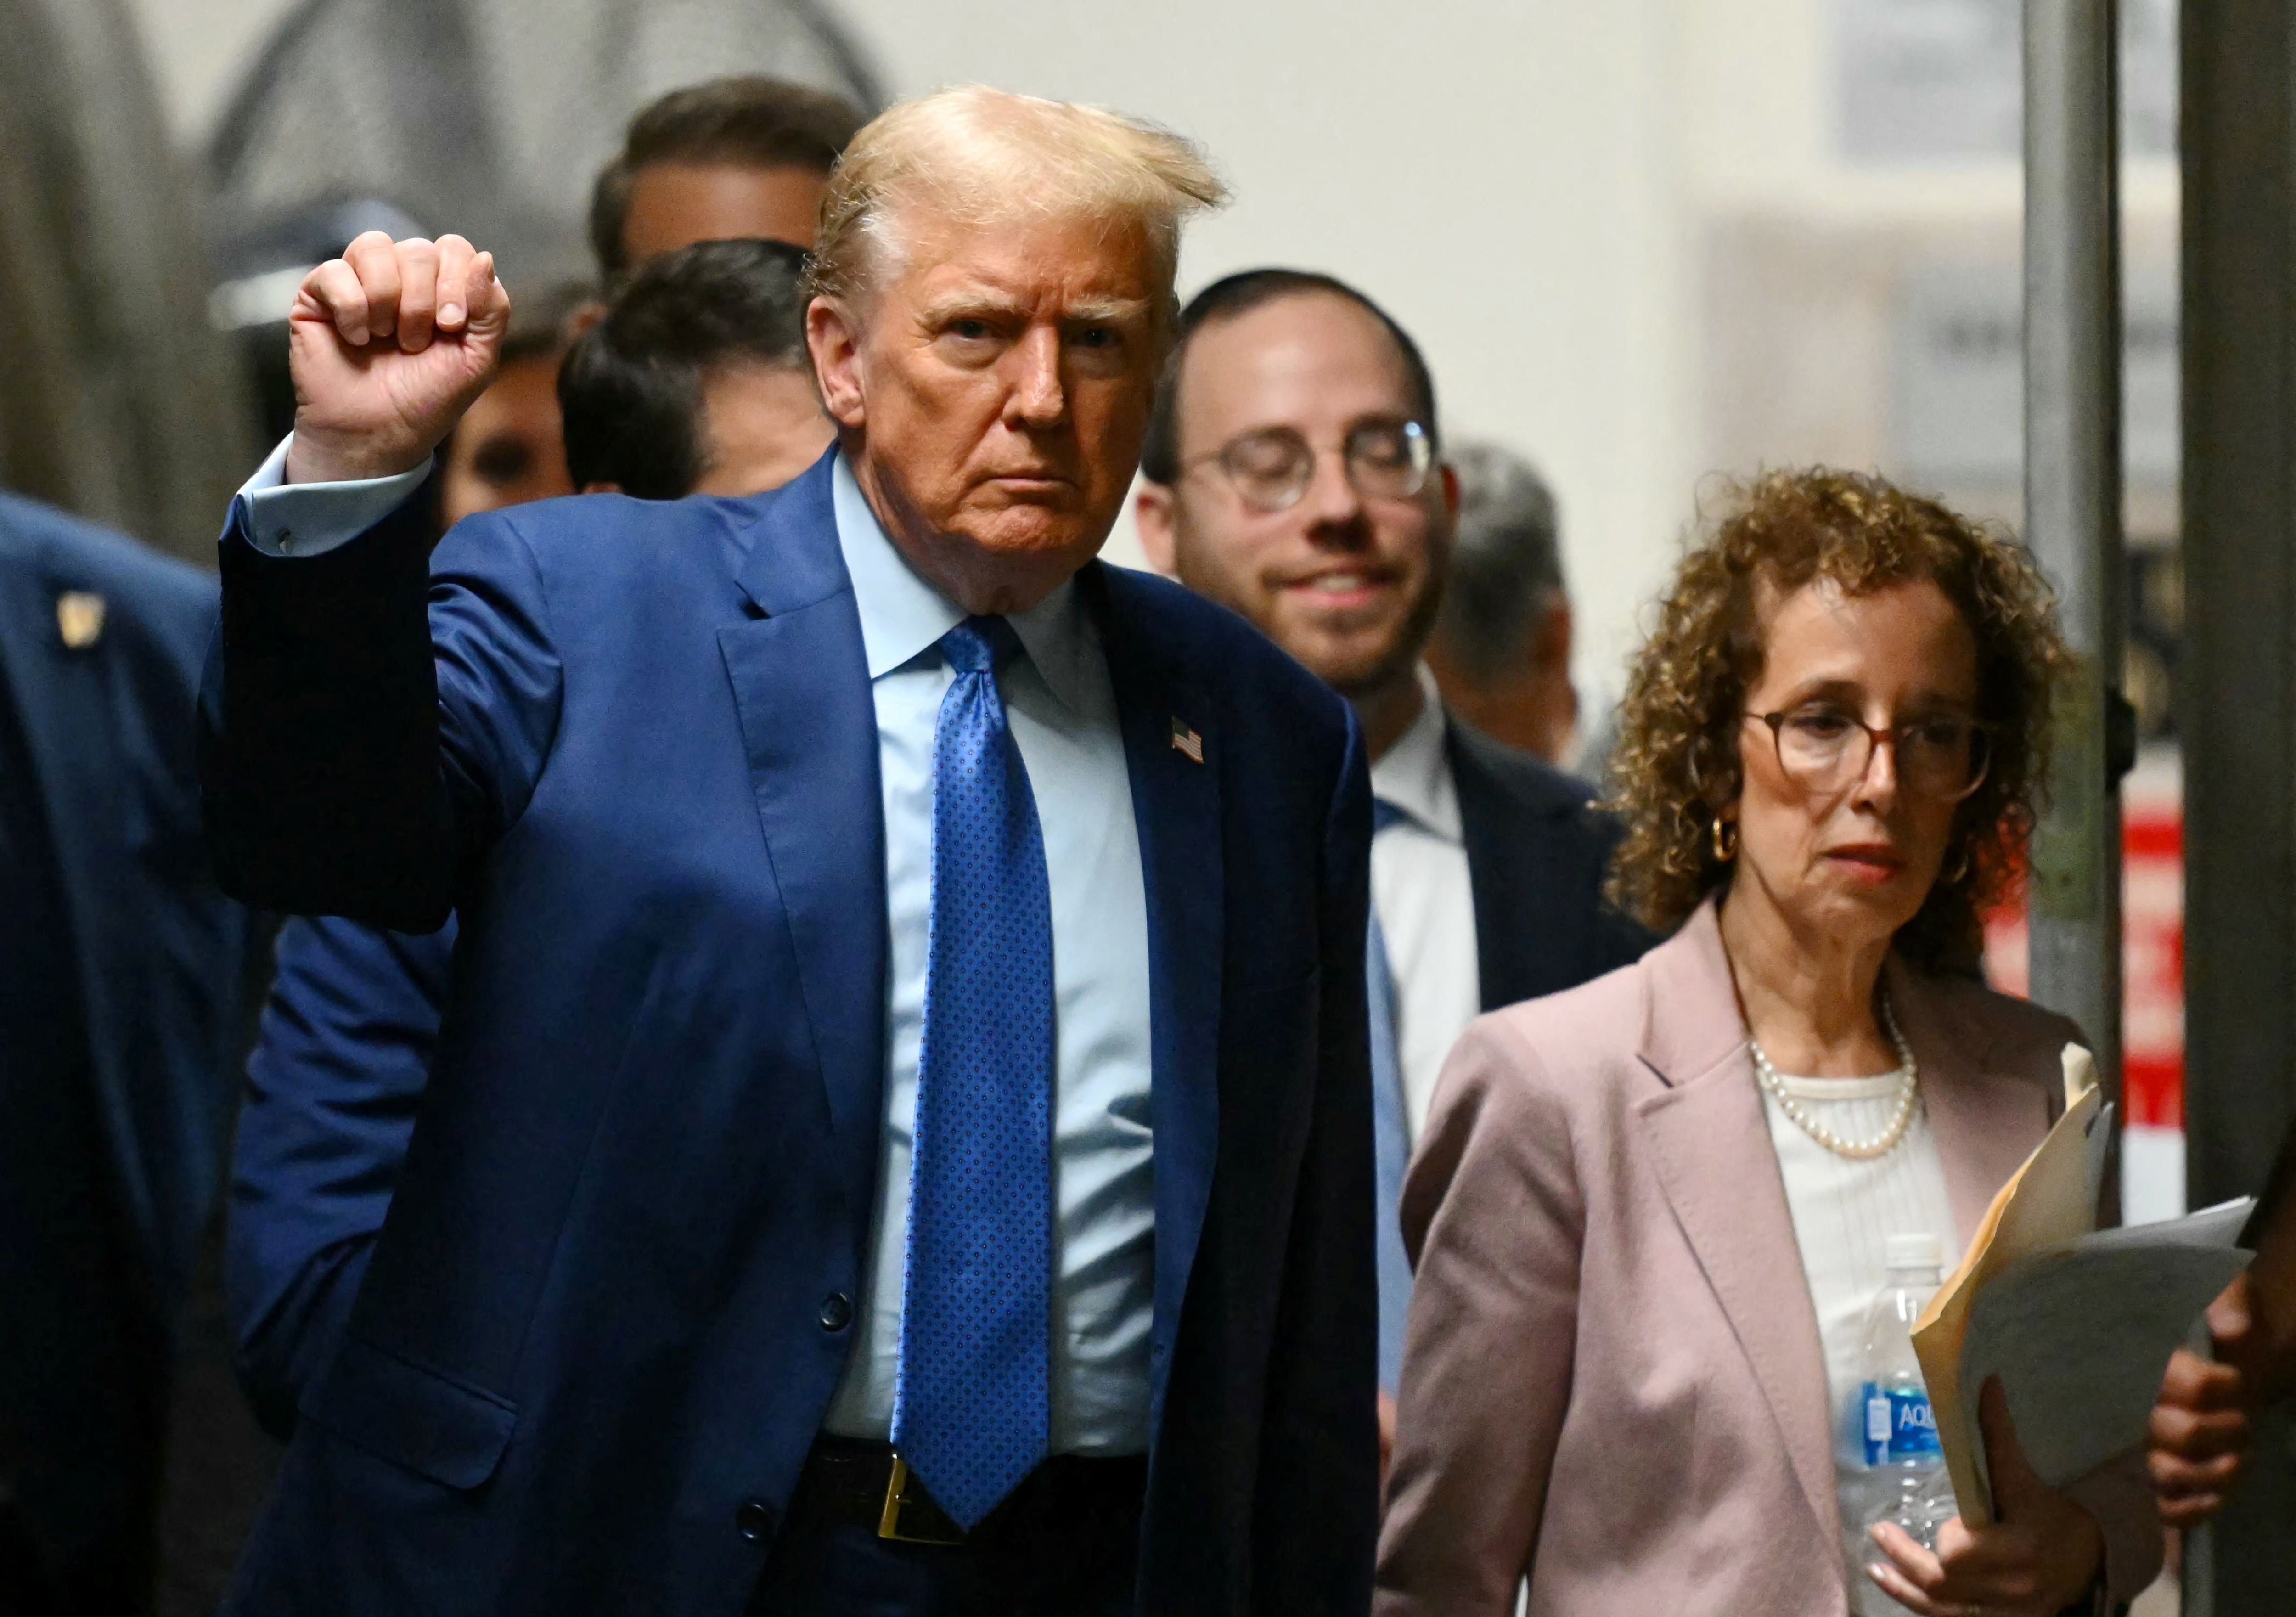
(2078, 1323)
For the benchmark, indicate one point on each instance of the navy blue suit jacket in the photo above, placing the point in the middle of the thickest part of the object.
(633, 747)
(340, 1060)
(1537, 852)
(158, 952)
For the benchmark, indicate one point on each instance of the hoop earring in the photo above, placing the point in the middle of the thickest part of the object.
(1726, 841)
(1960, 871)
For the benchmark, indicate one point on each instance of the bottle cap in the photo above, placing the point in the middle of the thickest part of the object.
(1916, 1251)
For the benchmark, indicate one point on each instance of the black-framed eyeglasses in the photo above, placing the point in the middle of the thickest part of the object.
(1272, 467)
(1822, 748)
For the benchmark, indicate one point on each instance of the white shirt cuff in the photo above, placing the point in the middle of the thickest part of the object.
(286, 519)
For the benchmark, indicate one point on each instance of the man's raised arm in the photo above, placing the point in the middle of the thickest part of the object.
(321, 718)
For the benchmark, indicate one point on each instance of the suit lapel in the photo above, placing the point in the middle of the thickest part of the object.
(84, 787)
(1176, 804)
(801, 683)
(1709, 1142)
(1508, 874)
(1985, 1124)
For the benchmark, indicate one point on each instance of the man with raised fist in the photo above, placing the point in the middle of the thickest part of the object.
(900, 1137)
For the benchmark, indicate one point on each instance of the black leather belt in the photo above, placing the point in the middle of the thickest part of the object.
(868, 1482)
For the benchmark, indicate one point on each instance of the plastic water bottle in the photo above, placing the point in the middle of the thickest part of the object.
(1891, 1469)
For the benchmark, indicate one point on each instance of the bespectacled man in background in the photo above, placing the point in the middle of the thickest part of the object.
(1295, 473)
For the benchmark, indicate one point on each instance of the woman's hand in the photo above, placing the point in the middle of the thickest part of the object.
(2042, 1554)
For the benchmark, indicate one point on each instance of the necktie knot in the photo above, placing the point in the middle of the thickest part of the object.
(1384, 814)
(978, 645)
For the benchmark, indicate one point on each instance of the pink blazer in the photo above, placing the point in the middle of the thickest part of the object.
(1612, 1381)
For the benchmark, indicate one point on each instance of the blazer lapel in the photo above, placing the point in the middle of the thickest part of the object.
(1985, 1124)
(1709, 1142)
(61, 692)
(1176, 804)
(1513, 880)
(801, 681)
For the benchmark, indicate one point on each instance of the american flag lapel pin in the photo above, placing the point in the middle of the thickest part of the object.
(1186, 743)
(79, 619)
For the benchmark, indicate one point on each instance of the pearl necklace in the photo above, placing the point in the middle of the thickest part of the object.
(1859, 1151)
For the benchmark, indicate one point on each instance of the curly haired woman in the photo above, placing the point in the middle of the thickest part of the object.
(1649, 1214)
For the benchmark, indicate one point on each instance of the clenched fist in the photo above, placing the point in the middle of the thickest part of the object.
(388, 346)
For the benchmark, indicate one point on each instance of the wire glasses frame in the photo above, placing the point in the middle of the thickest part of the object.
(1823, 749)
(1272, 468)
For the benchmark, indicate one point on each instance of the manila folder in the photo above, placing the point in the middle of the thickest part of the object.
(2049, 1202)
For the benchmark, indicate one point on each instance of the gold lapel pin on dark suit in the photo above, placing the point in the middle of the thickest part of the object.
(1188, 743)
(79, 619)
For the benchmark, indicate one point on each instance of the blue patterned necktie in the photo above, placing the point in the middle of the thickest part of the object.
(971, 1402)
(1391, 1134)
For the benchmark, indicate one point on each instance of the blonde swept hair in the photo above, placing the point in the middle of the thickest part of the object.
(1676, 760)
(982, 157)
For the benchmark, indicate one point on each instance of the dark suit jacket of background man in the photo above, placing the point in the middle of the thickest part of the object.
(641, 766)
(1537, 852)
(122, 991)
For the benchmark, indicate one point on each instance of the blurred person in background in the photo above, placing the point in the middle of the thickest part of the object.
(695, 380)
(122, 996)
(1501, 650)
(1294, 474)
(508, 449)
(1651, 1215)
(743, 157)
(750, 1072)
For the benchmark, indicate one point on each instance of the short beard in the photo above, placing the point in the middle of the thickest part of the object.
(1401, 659)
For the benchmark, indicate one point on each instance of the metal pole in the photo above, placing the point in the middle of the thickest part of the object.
(2072, 499)
(2237, 699)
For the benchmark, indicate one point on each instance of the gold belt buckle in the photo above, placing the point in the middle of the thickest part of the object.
(910, 1516)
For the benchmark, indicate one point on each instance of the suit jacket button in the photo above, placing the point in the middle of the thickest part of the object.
(836, 1311)
(755, 1521)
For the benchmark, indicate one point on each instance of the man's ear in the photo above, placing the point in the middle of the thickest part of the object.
(1550, 643)
(834, 341)
(1153, 515)
(1450, 476)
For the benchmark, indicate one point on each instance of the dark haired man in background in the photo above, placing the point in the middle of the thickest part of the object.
(1501, 651)
(1294, 472)
(733, 157)
(695, 380)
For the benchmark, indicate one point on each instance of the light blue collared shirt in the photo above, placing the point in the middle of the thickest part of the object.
(1061, 709)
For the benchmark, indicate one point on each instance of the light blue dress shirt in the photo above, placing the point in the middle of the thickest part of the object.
(1062, 713)
(1061, 709)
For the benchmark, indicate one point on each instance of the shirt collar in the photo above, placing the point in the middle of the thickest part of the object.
(903, 617)
(1414, 773)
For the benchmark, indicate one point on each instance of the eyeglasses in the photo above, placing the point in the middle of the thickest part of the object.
(1821, 748)
(1271, 469)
